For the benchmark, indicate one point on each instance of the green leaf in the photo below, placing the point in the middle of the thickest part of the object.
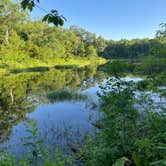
(121, 162)
(159, 162)
(54, 17)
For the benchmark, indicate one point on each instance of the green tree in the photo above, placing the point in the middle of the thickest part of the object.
(10, 17)
(81, 49)
(100, 44)
(161, 33)
(91, 51)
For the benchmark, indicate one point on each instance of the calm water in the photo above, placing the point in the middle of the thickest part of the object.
(23, 99)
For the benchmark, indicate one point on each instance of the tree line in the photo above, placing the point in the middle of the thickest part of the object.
(22, 39)
(137, 48)
(134, 48)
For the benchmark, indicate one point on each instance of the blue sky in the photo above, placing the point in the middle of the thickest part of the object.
(113, 19)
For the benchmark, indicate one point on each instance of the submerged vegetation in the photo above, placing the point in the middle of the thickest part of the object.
(65, 95)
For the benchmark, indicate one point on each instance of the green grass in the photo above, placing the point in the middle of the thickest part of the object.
(31, 69)
(31, 65)
(3, 71)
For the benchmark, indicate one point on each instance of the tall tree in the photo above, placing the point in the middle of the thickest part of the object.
(10, 16)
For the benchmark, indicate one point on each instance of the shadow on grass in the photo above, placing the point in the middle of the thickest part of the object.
(31, 69)
(41, 68)
(3, 66)
(65, 66)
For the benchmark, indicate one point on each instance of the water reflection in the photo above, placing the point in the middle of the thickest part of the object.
(24, 98)
(24, 93)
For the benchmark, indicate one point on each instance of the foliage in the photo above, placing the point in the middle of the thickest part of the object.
(40, 42)
(36, 154)
(32, 141)
(25, 43)
(133, 132)
(162, 32)
(136, 48)
(91, 52)
(54, 18)
(51, 17)
(131, 129)
(127, 48)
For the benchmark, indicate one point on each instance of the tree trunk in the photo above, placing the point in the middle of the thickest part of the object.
(7, 36)
(11, 95)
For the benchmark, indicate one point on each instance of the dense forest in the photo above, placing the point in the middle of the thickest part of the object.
(24, 42)
(135, 48)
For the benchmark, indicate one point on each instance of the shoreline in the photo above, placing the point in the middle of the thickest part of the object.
(43, 66)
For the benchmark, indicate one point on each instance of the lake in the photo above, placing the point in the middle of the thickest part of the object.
(24, 99)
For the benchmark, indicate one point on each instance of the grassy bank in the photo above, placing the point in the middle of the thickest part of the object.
(36, 65)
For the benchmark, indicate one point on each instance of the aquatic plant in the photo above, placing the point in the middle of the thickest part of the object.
(65, 95)
(36, 154)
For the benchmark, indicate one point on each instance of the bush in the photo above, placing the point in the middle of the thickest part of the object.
(128, 132)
